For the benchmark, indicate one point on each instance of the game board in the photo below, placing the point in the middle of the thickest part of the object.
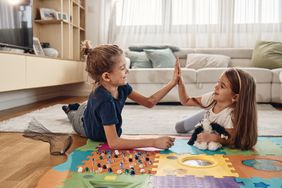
(95, 165)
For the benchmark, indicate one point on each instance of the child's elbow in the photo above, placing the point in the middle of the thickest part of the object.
(113, 145)
(182, 103)
(150, 103)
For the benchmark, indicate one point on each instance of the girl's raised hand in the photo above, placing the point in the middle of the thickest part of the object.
(177, 72)
(180, 80)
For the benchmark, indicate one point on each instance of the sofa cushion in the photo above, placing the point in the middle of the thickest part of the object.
(138, 60)
(240, 63)
(161, 58)
(233, 53)
(267, 54)
(198, 61)
(211, 75)
(277, 75)
(140, 48)
(182, 54)
(158, 76)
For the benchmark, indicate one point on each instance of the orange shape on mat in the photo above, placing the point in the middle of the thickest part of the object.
(250, 172)
(142, 162)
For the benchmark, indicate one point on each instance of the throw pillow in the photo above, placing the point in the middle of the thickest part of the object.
(162, 58)
(198, 61)
(267, 54)
(138, 60)
(140, 48)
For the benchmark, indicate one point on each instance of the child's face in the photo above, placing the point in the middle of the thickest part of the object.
(119, 74)
(222, 90)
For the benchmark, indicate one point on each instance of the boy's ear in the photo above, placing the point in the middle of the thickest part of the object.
(235, 98)
(106, 76)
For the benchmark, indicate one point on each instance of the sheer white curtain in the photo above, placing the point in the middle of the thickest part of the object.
(6, 11)
(193, 23)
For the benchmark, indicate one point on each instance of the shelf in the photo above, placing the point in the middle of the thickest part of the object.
(50, 21)
(63, 35)
(75, 3)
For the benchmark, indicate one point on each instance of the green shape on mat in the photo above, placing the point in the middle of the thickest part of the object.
(267, 147)
(90, 145)
(107, 180)
(230, 151)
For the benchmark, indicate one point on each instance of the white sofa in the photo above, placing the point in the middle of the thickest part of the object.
(198, 82)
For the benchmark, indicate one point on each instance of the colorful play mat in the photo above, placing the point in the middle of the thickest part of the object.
(95, 165)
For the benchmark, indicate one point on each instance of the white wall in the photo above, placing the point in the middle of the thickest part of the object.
(91, 23)
(97, 20)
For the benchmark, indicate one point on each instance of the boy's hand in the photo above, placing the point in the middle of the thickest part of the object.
(164, 142)
(176, 73)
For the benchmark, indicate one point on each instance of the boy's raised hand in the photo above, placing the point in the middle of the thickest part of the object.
(164, 142)
(177, 72)
(180, 80)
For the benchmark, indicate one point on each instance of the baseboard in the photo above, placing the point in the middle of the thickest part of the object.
(23, 97)
(17, 98)
(80, 89)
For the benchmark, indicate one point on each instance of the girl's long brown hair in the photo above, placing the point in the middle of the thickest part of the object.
(100, 59)
(244, 115)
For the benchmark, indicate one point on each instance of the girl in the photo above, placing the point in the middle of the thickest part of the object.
(100, 119)
(232, 104)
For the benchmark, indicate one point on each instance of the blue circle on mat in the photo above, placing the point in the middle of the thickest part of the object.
(264, 164)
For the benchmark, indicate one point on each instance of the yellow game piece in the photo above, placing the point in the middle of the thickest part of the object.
(110, 178)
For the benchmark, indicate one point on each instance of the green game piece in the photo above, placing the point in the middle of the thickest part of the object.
(90, 145)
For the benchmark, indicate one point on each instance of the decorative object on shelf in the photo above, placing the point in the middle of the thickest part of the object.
(62, 24)
(62, 16)
(51, 52)
(48, 14)
(37, 47)
(48, 51)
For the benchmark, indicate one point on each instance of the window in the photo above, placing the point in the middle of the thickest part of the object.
(136, 12)
(254, 11)
(194, 12)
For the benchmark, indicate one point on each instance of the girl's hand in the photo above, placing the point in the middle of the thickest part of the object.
(164, 142)
(206, 137)
(181, 81)
(176, 73)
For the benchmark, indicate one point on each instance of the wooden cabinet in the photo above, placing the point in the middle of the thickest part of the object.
(12, 72)
(42, 72)
(27, 71)
(64, 35)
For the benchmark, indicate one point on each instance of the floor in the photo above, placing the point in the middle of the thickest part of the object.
(22, 160)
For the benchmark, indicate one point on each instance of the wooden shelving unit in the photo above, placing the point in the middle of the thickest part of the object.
(63, 35)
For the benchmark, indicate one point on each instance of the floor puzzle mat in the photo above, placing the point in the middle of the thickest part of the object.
(95, 165)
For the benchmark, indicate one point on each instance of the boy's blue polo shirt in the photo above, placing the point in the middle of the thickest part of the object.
(103, 109)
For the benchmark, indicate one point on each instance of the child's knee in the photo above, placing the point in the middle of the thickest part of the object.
(179, 127)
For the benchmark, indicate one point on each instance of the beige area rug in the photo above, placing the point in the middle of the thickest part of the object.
(140, 120)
